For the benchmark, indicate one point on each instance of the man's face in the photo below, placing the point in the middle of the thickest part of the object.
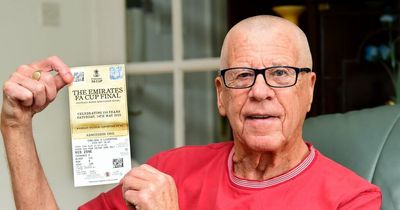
(264, 118)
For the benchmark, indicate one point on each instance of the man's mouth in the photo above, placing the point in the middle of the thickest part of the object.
(260, 117)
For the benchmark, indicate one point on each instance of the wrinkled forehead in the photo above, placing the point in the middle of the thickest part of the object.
(270, 45)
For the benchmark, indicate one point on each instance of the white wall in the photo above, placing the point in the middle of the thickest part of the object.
(89, 32)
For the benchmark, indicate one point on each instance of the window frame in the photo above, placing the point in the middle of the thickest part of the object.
(177, 66)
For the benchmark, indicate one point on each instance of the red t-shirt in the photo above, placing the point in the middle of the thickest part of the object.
(205, 180)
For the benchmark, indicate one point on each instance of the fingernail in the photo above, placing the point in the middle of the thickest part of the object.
(69, 78)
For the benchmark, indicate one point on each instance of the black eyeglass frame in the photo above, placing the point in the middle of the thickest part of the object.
(262, 72)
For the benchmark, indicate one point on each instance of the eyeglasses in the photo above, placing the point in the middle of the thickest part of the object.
(275, 76)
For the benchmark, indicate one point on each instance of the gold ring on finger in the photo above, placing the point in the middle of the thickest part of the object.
(36, 75)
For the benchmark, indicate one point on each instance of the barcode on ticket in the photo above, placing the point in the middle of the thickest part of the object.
(118, 163)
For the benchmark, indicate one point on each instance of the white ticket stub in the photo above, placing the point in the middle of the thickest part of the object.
(99, 124)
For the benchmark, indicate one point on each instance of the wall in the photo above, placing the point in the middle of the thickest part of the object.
(88, 32)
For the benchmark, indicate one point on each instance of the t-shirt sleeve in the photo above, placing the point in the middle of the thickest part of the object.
(368, 200)
(154, 161)
(111, 200)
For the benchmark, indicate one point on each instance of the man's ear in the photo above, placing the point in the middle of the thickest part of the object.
(219, 87)
(311, 86)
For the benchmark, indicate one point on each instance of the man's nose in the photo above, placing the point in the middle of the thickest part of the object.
(260, 90)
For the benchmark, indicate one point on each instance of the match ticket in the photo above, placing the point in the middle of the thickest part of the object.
(99, 124)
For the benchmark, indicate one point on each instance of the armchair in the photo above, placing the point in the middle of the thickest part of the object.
(366, 141)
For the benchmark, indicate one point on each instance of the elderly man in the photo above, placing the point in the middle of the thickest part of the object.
(265, 88)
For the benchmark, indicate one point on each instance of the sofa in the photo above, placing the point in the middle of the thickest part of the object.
(366, 141)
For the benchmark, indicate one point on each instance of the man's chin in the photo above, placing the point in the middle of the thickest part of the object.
(264, 143)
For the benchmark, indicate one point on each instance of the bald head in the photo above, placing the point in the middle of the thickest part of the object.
(265, 118)
(266, 30)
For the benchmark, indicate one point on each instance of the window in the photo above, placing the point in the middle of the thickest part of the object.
(172, 49)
